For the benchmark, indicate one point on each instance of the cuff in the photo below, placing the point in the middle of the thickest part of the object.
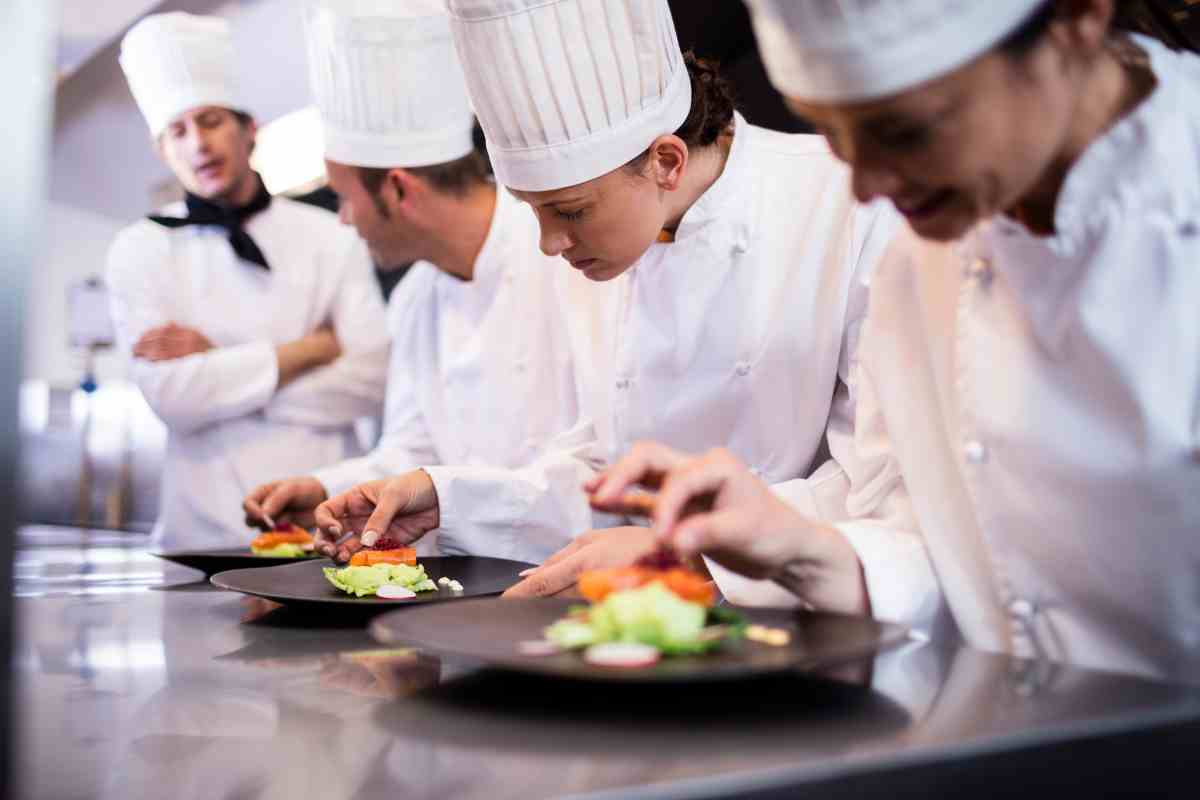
(900, 580)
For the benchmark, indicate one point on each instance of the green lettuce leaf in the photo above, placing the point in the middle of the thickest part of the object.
(363, 581)
(651, 614)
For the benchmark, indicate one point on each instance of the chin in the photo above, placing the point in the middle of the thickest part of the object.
(604, 271)
(945, 227)
(214, 190)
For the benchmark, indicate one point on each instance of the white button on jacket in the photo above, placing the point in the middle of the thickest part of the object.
(1079, 367)
(230, 426)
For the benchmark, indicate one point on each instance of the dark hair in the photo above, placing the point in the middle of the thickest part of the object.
(711, 113)
(1030, 32)
(242, 117)
(456, 177)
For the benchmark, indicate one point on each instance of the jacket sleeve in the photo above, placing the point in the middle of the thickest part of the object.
(407, 442)
(352, 386)
(186, 393)
(527, 513)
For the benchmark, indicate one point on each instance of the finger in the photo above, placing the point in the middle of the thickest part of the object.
(633, 504)
(593, 483)
(549, 580)
(386, 507)
(565, 552)
(279, 498)
(330, 513)
(254, 514)
(347, 547)
(690, 483)
(645, 462)
(717, 530)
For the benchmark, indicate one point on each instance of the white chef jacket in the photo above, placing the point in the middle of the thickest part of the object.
(230, 425)
(1040, 397)
(481, 371)
(738, 334)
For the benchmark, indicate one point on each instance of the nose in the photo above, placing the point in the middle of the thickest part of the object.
(554, 241)
(869, 181)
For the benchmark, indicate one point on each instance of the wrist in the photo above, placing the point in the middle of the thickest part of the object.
(827, 575)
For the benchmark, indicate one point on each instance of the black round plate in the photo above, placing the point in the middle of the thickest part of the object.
(489, 631)
(211, 562)
(305, 583)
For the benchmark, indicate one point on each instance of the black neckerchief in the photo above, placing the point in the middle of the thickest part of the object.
(206, 212)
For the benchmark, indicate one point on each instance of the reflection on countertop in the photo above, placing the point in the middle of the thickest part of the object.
(150, 683)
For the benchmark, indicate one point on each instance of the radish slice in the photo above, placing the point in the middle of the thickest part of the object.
(390, 592)
(628, 655)
(538, 647)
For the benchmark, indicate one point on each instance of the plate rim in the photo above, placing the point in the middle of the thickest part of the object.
(348, 600)
(891, 635)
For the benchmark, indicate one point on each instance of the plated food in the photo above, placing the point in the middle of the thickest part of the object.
(285, 541)
(304, 582)
(639, 614)
(387, 571)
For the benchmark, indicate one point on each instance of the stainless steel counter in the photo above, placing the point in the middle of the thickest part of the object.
(137, 679)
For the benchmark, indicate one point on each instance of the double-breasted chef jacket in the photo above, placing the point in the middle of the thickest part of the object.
(1038, 400)
(740, 333)
(481, 373)
(230, 425)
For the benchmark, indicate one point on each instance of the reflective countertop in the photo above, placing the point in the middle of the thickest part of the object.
(138, 679)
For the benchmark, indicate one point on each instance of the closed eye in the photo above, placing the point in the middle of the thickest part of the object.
(570, 216)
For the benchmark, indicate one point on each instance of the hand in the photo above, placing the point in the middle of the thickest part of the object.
(170, 341)
(611, 547)
(324, 345)
(403, 508)
(293, 500)
(712, 504)
(313, 350)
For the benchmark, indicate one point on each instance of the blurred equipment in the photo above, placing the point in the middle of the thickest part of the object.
(26, 56)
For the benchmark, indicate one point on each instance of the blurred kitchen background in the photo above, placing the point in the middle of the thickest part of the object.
(91, 448)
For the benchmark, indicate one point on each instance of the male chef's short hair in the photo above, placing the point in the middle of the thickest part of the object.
(1029, 32)
(711, 113)
(457, 177)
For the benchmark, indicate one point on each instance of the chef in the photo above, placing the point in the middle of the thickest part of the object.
(1031, 363)
(253, 323)
(725, 255)
(481, 375)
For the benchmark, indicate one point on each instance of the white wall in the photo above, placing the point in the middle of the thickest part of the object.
(78, 239)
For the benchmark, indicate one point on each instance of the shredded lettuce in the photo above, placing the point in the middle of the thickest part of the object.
(284, 550)
(651, 614)
(362, 581)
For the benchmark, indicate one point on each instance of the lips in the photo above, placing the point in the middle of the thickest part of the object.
(924, 207)
(583, 263)
(209, 168)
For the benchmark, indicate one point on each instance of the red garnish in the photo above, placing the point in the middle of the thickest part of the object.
(387, 543)
(661, 559)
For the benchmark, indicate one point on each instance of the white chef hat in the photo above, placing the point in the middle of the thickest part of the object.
(567, 90)
(387, 82)
(177, 61)
(852, 50)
